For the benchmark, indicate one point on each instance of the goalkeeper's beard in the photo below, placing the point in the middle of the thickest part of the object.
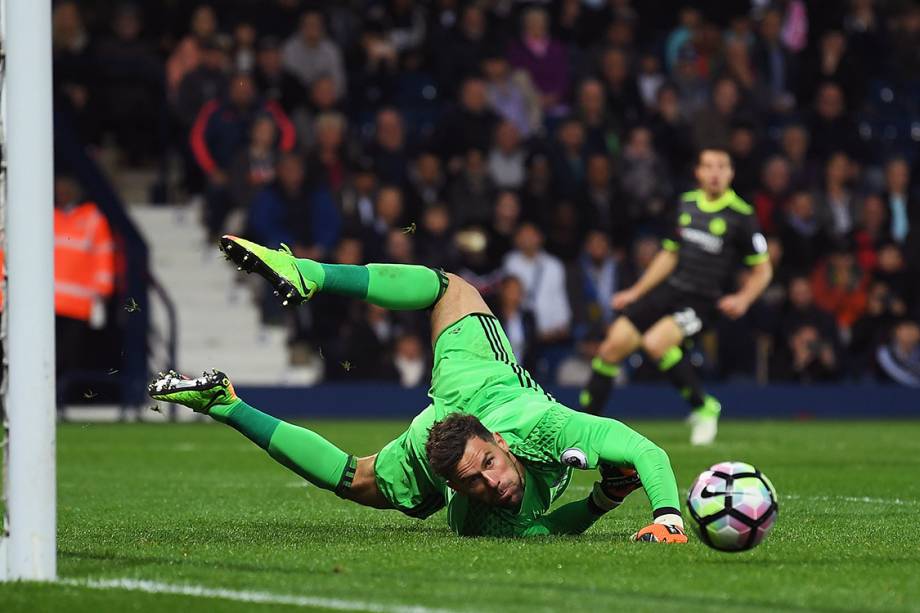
(517, 469)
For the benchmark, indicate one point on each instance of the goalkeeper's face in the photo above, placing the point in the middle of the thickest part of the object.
(489, 472)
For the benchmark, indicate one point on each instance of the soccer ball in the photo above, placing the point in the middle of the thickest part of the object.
(733, 506)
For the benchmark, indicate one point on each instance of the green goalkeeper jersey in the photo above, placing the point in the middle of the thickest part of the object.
(476, 373)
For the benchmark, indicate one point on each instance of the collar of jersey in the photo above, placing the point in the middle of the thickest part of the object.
(714, 206)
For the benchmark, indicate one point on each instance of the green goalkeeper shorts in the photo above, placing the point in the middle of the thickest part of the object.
(474, 372)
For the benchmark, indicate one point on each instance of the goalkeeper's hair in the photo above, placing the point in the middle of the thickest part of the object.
(447, 441)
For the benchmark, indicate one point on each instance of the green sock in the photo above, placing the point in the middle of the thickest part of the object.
(301, 450)
(400, 287)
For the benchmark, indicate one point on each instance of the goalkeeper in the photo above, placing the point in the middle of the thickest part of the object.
(492, 446)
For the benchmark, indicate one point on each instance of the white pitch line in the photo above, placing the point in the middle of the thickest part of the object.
(155, 587)
(865, 499)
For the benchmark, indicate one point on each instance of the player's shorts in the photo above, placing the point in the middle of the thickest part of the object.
(474, 372)
(691, 312)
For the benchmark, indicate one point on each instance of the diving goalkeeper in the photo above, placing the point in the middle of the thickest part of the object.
(493, 446)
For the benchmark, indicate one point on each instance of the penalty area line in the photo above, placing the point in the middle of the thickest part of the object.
(198, 591)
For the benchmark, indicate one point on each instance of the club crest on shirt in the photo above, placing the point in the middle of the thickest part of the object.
(575, 457)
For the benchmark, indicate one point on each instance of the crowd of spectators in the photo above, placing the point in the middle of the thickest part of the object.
(537, 149)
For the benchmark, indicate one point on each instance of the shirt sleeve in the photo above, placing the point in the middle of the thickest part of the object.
(753, 246)
(586, 440)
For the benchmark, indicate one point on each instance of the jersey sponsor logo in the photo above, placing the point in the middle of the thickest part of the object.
(575, 457)
(688, 321)
(704, 240)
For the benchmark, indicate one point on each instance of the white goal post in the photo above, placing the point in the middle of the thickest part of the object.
(28, 541)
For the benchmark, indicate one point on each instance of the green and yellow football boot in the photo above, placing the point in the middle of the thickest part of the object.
(277, 266)
(210, 389)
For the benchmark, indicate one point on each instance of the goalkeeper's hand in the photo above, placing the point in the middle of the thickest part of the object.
(666, 529)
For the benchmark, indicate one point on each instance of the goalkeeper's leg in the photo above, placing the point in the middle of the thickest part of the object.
(299, 449)
(392, 286)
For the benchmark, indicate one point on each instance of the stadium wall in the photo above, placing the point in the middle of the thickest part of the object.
(383, 400)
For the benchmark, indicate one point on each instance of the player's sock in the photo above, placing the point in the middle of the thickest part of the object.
(301, 450)
(400, 287)
(593, 398)
(676, 365)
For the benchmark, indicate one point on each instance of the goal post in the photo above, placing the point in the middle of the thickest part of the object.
(29, 530)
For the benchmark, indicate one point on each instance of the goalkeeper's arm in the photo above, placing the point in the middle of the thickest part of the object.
(607, 440)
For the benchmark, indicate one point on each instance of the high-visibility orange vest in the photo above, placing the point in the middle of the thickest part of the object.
(84, 260)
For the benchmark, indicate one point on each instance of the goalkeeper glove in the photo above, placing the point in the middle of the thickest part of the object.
(666, 529)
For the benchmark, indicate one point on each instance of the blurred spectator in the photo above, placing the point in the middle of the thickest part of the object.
(673, 135)
(507, 157)
(832, 62)
(774, 63)
(592, 280)
(746, 160)
(601, 129)
(905, 40)
(254, 167)
(467, 126)
(409, 360)
(404, 22)
(803, 236)
(810, 358)
(794, 147)
(899, 360)
(517, 322)
(505, 221)
(801, 311)
(427, 184)
(356, 198)
(279, 84)
(244, 46)
(712, 125)
(434, 238)
(543, 278)
(133, 78)
(568, 158)
(837, 205)
(75, 76)
(830, 126)
(643, 178)
(472, 191)
(221, 130)
(601, 203)
(770, 201)
(293, 212)
(874, 228)
(460, 53)
(188, 53)
(511, 95)
(399, 247)
(327, 163)
(545, 60)
(389, 213)
(903, 204)
(309, 53)
(391, 159)
(650, 80)
(883, 310)
(840, 285)
(206, 82)
(623, 99)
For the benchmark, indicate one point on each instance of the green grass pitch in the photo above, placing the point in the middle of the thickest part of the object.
(197, 507)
